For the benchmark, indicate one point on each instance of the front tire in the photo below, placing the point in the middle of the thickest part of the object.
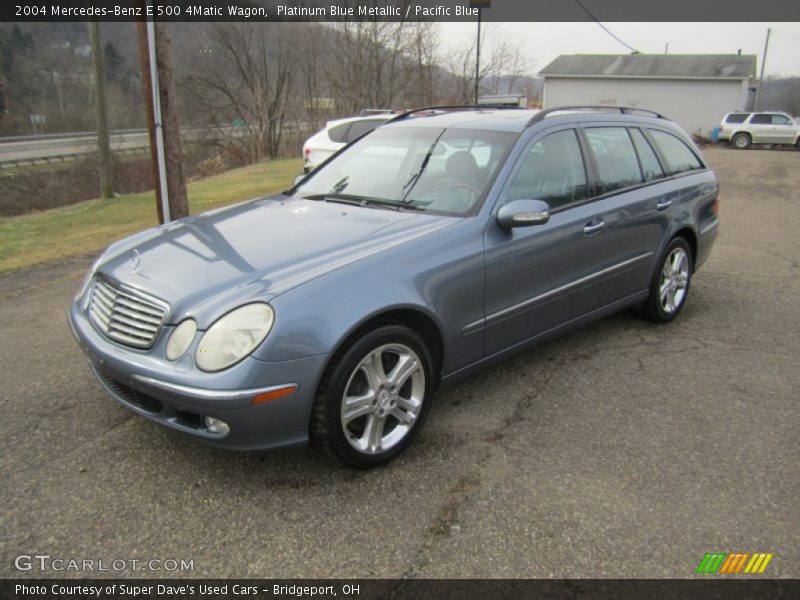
(669, 287)
(741, 141)
(374, 397)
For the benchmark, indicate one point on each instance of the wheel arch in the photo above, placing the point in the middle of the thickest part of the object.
(412, 317)
(688, 234)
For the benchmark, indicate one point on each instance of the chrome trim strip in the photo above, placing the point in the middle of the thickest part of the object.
(207, 394)
(709, 227)
(567, 286)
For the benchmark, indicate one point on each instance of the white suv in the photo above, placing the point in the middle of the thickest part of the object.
(337, 134)
(743, 129)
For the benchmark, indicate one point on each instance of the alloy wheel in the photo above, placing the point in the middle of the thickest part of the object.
(383, 398)
(674, 280)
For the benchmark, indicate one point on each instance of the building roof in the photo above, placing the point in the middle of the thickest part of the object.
(655, 66)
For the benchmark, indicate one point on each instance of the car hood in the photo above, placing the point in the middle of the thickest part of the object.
(210, 263)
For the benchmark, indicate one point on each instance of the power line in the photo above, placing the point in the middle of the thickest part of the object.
(606, 29)
(797, 37)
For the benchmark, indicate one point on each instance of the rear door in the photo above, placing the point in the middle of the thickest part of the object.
(783, 129)
(591, 253)
(761, 130)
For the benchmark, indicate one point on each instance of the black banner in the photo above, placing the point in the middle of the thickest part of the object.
(410, 589)
(264, 11)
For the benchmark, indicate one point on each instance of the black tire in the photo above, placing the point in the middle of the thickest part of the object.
(345, 373)
(741, 141)
(655, 308)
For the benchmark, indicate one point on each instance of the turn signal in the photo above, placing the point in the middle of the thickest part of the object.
(715, 206)
(275, 394)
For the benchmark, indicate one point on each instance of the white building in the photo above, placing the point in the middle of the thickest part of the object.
(694, 90)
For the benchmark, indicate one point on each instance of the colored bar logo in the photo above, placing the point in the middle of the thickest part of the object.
(722, 563)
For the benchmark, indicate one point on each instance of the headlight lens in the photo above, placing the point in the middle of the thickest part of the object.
(234, 336)
(180, 339)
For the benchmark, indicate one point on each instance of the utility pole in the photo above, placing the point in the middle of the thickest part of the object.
(147, 95)
(757, 103)
(478, 57)
(176, 184)
(103, 142)
(479, 5)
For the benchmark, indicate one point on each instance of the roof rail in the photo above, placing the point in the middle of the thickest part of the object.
(453, 107)
(623, 110)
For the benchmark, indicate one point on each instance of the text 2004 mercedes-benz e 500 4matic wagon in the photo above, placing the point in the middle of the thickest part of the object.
(432, 246)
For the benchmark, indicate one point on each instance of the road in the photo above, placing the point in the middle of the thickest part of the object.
(624, 449)
(59, 148)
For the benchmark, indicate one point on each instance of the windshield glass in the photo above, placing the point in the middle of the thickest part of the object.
(421, 168)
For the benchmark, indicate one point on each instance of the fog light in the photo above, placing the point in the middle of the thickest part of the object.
(217, 426)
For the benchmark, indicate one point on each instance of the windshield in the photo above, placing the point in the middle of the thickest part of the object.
(418, 168)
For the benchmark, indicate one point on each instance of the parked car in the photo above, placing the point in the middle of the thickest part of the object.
(336, 135)
(743, 129)
(428, 249)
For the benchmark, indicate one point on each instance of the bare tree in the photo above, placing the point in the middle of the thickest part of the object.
(246, 82)
(372, 66)
(503, 67)
(103, 140)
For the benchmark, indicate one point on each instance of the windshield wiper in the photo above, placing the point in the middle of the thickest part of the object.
(415, 177)
(364, 201)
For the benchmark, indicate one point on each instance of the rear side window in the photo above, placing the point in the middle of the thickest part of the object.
(617, 165)
(338, 133)
(736, 117)
(679, 156)
(553, 171)
(647, 157)
(359, 128)
(761, 119)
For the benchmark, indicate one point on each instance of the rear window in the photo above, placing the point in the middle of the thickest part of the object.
(679, 156)
(359, 128)
(761, 119)
(338, 133)
(617, 164)
(736, 117)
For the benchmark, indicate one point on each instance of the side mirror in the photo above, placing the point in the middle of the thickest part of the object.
(522, 213)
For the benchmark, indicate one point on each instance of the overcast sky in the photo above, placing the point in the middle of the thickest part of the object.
(545, 41)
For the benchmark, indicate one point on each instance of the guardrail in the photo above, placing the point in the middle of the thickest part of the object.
(66, 135)
(12, 163)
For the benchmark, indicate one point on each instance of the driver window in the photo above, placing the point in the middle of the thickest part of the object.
(780, 120)
(552, 171)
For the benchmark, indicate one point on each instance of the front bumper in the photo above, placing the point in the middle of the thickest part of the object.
(180, 396)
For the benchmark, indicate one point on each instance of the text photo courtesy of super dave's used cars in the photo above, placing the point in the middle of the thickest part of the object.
(439, 243)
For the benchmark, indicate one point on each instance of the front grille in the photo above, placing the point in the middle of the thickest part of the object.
(126, 316)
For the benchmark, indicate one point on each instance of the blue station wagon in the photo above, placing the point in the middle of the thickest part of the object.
(433, 246)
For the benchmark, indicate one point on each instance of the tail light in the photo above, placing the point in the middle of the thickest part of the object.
(306, 151)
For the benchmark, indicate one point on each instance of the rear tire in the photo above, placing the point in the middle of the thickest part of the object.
(669, 287)
(741, 141)
(374, 397)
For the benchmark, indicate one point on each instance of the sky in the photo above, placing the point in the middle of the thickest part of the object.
(545, 41)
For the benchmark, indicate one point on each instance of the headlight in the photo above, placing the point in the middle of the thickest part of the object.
(234, 336)
(180, 339)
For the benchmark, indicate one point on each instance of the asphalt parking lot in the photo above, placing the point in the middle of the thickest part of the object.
(624, 449)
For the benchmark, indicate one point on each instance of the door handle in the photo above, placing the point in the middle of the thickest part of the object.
(592, 227)
(664, 204)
